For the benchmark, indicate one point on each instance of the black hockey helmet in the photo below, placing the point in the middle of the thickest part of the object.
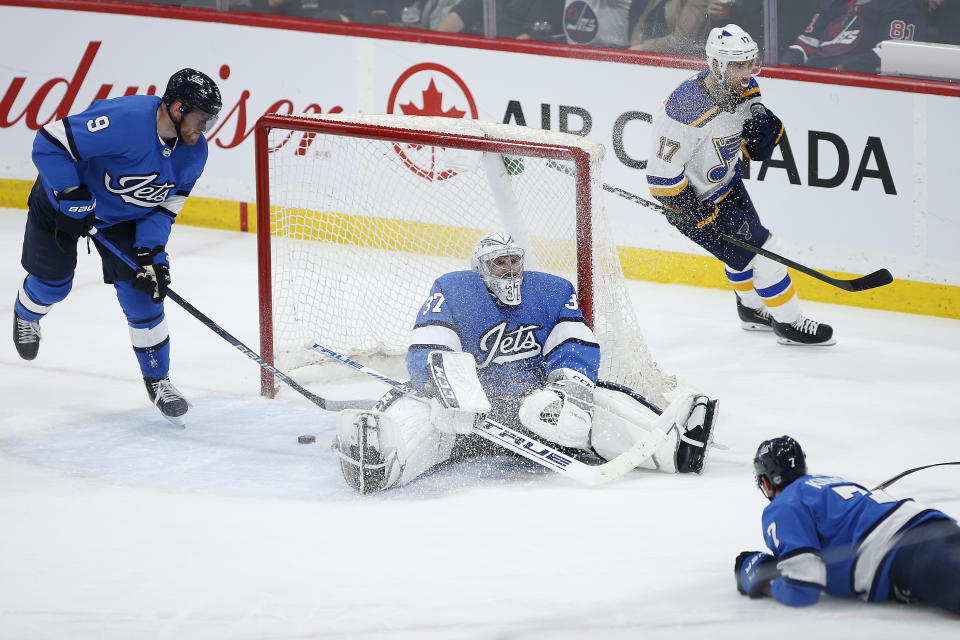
(195, 90)
(779, 460)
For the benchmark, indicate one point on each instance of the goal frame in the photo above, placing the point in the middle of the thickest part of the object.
(577, 156)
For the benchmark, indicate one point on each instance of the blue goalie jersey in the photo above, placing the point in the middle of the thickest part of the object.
(113, 148)
(832, 535)
(515, 346)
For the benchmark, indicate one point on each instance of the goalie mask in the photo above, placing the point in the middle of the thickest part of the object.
(499, 261)
(730, 44)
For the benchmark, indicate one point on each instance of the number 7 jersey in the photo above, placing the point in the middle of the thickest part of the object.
(696, 144)
(833, 535)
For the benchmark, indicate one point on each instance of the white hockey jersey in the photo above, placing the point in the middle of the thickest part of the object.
(697, 144)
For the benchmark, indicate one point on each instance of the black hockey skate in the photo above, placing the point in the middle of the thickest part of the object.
(168, 399)
(26, 337)
(754, 319)
(367, 471)
(695, 443)
(804, 332)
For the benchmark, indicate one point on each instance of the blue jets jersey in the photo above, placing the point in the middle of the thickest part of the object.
(836, 536)
(114, 149)
(515, 346)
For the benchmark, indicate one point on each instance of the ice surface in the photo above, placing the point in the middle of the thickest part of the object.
(113, 524)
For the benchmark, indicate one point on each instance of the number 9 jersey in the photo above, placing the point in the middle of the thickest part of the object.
(113, 148)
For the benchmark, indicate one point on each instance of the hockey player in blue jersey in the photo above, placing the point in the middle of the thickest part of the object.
(125, 165)
(511, 344)
(705, 128)
(828, 534)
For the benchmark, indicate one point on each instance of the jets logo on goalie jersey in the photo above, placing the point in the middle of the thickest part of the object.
(502, 346)
(514, 346)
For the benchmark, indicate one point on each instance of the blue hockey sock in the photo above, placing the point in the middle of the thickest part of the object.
(36, 296)
(148, 330)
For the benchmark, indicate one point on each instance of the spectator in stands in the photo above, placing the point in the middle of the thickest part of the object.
(672, 26)
(426, 14)
(748, 14)
(600, 23)
(944, 21)
(841, 34)
(522, 19)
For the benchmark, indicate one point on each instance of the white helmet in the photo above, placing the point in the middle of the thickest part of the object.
(505, 288)
(730, 44)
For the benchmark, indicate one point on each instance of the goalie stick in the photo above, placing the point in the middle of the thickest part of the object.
(887, 483)
(539, 452)
(323, 403)
(873, 280)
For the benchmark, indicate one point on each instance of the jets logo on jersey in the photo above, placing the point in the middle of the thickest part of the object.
(498, 345)
(140, 191)
(727, 150)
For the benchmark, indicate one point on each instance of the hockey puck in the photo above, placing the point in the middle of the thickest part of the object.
(307, 439)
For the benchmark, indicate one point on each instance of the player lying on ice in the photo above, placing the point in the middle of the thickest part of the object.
(829, 534)
(513, 345)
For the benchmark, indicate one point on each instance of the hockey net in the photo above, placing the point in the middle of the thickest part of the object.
(358, 214)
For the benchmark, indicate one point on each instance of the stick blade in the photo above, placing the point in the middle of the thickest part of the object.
(871, 280)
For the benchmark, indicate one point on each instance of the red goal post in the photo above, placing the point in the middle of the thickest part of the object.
(357, 214)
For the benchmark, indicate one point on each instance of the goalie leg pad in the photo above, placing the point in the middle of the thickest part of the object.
(693, 420)
(380, 450)
(367, 460)
(695, 441)
(619, 422)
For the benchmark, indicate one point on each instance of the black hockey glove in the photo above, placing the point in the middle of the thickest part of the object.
(154, 279)
(761, 132)
(754, 570)
(75, 213)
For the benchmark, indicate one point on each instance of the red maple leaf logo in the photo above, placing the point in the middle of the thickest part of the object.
(432, 105)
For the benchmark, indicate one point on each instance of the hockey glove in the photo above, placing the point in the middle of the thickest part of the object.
(459, 401)
(761, 132)
(154, 278)
(754, 570)
(561, 412)
(75, 213)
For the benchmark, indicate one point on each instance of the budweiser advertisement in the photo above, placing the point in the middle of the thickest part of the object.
(861, 180)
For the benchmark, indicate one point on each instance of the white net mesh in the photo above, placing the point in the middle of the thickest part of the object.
(360, 228)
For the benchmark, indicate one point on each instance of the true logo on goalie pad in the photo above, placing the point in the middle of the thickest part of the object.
(499, 346)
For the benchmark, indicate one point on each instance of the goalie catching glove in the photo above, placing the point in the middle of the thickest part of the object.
(561, 412)
(460, 403)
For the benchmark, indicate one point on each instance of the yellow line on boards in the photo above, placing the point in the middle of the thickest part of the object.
(641, 264)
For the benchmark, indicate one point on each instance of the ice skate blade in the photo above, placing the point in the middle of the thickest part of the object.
(177, 421)
(755, 326)
(793, 343)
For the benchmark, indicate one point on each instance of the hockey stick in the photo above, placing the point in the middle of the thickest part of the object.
(323, 403)
(887, 483)
(870, 281)
(531, 449)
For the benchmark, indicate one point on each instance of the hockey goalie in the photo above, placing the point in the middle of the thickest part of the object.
(512, 345)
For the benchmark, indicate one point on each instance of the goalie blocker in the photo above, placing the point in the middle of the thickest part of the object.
(406, 435)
